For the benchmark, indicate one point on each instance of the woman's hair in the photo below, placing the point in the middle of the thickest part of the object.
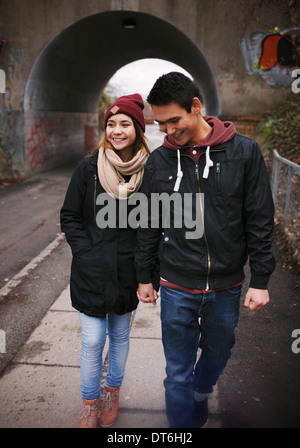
(140, 141)
(173, 87)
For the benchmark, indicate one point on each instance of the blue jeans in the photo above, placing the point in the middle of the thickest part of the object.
(183, 333)
(93, 342)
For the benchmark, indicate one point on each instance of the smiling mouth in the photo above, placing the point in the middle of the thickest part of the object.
(178, 135)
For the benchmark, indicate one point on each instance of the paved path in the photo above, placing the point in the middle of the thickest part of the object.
(41, 387)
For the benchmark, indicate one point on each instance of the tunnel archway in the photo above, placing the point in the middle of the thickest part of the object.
(75, 66)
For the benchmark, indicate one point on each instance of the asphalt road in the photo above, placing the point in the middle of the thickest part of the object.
(29, 222)
(260, 387)
(29, 219)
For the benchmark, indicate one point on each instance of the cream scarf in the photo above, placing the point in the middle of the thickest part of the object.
(110, 170)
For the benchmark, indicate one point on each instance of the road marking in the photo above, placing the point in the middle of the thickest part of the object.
(30, 266)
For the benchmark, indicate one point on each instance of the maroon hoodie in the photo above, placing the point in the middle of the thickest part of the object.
(221, 132)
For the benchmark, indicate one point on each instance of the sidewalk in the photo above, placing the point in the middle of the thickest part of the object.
(41, 386)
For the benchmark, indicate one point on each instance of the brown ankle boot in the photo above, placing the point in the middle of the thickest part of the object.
(89, 415)
(110, 406)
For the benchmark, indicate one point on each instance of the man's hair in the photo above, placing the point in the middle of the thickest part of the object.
(173, 87)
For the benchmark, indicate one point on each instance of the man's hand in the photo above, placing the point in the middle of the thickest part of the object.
(256, 299)
(146, 293)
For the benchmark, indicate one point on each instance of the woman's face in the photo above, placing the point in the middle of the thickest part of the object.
(120, 132)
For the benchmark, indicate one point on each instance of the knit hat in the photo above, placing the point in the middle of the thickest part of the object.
(131, 105)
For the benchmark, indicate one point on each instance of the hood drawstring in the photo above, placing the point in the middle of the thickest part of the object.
(209, 163)
(179, 172)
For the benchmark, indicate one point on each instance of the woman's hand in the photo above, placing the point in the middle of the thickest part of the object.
(146, 293)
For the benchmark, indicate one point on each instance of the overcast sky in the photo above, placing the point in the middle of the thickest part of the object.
(139, 77)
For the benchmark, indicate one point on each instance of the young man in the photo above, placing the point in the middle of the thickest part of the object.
(202, 276)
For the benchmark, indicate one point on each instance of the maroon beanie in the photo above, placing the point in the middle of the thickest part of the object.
(131, 105)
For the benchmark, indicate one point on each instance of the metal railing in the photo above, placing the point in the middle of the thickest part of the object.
(286, 195)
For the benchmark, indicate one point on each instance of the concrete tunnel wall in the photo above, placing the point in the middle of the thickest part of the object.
(64, 87)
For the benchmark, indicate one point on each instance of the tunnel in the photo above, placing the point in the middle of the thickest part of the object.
(74, 68)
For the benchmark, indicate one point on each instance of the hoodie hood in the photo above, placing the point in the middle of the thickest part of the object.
(221, 132)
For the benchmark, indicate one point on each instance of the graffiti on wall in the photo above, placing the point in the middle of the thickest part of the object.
(11, 119)
(9, 136)
(280, 49)
(42, 141)
(272, 56)
(54, 135)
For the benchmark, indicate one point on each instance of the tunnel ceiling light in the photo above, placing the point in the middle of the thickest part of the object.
(129, 24)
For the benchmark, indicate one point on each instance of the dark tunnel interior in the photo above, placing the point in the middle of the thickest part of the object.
(74, 68)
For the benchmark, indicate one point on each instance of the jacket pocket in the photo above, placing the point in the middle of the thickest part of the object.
(182, 253)
(90, 269)
(166, 181)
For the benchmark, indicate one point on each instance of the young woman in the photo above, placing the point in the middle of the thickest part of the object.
(103, 279)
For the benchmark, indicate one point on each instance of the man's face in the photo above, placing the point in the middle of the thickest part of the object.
(175, 121)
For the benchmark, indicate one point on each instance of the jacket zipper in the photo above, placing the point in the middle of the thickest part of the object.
(95, 188)
(218, 172)
(204, 233)
(202, 214)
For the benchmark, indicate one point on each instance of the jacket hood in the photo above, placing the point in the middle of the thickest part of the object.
(221, 132)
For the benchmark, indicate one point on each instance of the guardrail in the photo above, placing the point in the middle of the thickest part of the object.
(285, 185)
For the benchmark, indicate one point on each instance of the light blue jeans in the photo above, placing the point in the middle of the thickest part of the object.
(94, 332)
(183, 333)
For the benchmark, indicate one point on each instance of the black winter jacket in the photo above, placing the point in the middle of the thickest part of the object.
(238, 218)
(103, 277)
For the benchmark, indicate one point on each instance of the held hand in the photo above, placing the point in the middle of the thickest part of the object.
(256, 299)
(146, 293)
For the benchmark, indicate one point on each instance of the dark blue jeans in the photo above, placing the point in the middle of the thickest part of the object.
(190, 321)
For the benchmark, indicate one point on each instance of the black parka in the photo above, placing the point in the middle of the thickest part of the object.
(103, 277)
(237, 218)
